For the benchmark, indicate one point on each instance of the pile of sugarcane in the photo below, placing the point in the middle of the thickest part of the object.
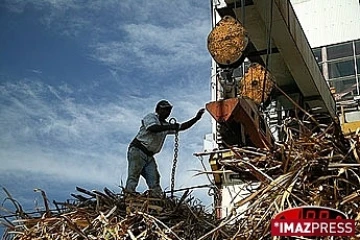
(107, 215)
(309, 165)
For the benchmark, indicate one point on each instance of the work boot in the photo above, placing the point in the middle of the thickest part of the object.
(154, 194)
(128, 193)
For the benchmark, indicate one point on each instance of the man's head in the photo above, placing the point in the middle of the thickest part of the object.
(163, 108)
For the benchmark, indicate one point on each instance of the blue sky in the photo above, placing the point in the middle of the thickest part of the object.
(77, 76)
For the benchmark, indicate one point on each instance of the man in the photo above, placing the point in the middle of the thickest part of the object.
(149, 141)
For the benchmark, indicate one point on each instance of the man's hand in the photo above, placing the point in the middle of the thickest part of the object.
(200, 113)
(192, 121)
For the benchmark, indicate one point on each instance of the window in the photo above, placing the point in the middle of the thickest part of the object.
(357, 47)
(344, 85)
(340, 51)
(341, 69)
(317, 55)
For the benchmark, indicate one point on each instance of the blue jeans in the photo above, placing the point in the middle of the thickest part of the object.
(141, 164)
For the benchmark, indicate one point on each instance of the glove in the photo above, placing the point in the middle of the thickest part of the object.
(200, 113)
(174, 126)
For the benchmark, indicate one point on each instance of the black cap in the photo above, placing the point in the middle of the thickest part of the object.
(163, 104)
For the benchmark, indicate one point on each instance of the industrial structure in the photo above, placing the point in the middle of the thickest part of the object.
(272, 60)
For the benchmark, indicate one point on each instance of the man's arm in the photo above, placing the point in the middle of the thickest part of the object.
(191, 122)
(160, 128)
(177, 126)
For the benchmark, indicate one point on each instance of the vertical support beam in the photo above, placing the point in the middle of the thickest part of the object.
(325, 66)
(356, 69)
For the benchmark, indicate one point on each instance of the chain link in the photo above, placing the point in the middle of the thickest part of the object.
(176, 150)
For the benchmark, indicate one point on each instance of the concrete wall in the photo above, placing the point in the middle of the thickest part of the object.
(327, 22)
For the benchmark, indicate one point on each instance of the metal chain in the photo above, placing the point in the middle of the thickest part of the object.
(176, 150)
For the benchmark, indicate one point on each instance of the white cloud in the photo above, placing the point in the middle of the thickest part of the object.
(59, 134)
(76, 167)
(157, 48)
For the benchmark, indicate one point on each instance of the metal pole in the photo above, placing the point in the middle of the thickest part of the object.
(356, 69)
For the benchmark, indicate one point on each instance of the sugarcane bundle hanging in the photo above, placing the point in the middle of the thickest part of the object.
(256, 84)
(227, 41)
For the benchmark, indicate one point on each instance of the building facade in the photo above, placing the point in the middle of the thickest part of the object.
(333, 31)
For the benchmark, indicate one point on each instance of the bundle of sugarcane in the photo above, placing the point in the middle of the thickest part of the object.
(256, 84)
(227, 41)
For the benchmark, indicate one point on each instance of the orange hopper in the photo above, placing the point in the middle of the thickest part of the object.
(244, 112)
